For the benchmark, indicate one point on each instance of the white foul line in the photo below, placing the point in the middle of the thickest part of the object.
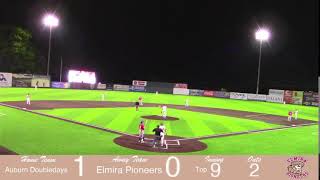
(256, 115)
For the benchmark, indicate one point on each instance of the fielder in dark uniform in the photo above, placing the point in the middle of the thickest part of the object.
(157, 132)
(137, 105)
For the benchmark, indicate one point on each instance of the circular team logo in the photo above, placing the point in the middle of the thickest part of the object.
(296, 167)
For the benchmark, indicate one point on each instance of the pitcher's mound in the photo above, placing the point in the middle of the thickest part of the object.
(174, 144)
(155, 117)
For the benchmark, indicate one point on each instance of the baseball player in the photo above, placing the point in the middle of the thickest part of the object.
(164, 111)
(296, 114)
(140, 101)
(187, 102)
(102, 97)
(163, 128)
(137, 105)
(36, 85)
(28, 97)
(289, 115)
(141, 132)
(157, 136)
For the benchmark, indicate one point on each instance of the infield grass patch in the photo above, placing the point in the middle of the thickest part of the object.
(190, 124)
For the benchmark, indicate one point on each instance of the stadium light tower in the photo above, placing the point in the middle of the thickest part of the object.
(51, 21)
(261, 35)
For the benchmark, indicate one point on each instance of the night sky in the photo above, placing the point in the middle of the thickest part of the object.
(207, 44)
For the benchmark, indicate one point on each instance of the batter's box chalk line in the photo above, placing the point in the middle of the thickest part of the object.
(172, 144)
(256, 115)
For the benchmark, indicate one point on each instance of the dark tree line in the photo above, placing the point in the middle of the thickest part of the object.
(18, 53)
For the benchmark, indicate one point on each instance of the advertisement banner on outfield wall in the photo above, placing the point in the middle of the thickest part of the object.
(109, 86)
(236, 95)
(119, 87)
(161, 85)
(181, 85)
(5, 79)
(297, 97)
(163, 90)
(137, 88)
(276, 92)
(21, 80)
(311, 98)
(76, 85)
(181, 91)
(207, 93)
(40, 81)
(196, 92)
(139, 83)
(288, 97)
(101, 86)
(55, 84)
(257, 97)
(275, 98)
(221, 94)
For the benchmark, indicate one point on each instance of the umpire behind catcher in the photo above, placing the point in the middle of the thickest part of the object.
(157, 132)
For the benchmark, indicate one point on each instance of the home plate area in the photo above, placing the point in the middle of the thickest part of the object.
(173, 144)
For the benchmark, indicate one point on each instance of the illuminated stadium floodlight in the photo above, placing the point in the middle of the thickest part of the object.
(51, 21)
(261, 35)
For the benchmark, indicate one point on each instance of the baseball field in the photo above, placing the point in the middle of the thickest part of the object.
(69, 121)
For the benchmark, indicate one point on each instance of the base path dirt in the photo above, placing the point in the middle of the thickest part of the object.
(155, 117)
(173, 144)
(5, 151)
(269, 118)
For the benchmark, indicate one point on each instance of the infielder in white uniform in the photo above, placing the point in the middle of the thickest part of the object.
(102, 97)
(296, 114)
(28, 99)
(140, 101)
(163, 128)
(164, 111)
(187, 102)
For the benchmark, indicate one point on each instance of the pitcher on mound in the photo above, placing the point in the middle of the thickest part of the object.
(164, 111)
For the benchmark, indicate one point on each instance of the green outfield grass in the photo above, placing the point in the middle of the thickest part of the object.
(28, 133)
(190, 124)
